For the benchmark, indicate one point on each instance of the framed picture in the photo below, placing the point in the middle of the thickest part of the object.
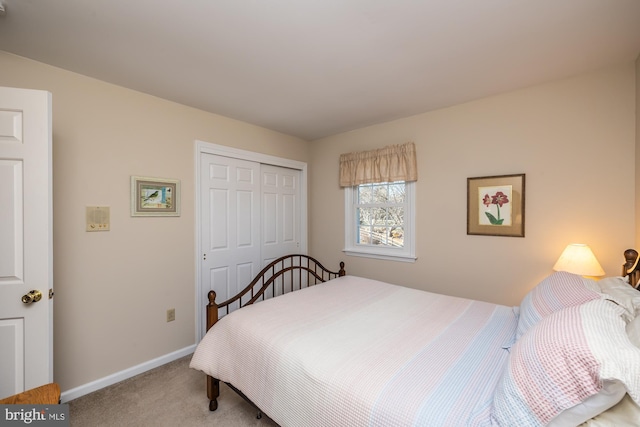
(154, 196)
(495, 205)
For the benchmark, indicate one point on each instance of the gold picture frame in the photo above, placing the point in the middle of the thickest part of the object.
(154, 196)
(495, 205)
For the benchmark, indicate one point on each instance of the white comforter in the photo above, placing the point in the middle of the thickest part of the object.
(357, 352)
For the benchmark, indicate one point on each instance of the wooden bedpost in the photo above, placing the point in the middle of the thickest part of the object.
(213, 392)
(341, 272)
(630, 267)
(213, 385)
(212, 310)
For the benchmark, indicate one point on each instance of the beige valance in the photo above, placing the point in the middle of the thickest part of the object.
(388, 164)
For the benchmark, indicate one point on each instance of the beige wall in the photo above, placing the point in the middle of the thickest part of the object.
(573, 139)
(637, 181)
(112, 289)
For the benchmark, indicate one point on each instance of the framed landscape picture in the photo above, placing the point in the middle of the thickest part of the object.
(154, 196)
(495, 205)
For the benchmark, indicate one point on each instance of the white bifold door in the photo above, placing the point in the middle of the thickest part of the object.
(250, 215)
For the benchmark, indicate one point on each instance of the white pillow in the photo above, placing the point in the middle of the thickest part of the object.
(618, 291)
(624, 414)
(622, 293)
(611, 393)
(633, 331)
(557, 367)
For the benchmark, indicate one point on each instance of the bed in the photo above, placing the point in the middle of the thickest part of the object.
(347, 351)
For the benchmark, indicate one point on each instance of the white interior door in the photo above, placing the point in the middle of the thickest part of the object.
(26, 261)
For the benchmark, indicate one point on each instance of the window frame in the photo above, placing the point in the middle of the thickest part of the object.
(405, 254)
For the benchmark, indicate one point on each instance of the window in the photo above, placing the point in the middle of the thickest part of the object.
(379, 220)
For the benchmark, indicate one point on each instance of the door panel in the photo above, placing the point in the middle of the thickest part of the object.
(11, 125)
(280, 212)
(218, 215)
(245, 223)
(11, 195)
(230, 191)
(12, 356)
(26, 338)
(280, 218)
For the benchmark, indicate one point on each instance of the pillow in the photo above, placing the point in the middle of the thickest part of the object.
(557, 291)
(624, 414)
(633, 331)
(591, 284)
(568, 368)
(622, 293)
(610, 395)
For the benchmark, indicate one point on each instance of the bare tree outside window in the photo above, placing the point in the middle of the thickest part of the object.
(381, 210)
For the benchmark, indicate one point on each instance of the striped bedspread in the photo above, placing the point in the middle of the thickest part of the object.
(357, 352)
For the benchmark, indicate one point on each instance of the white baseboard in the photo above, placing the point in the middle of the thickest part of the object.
(74, 393)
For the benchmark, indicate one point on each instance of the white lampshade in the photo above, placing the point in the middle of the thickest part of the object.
(579, 259)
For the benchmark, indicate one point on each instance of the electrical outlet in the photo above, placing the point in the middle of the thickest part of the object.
(171, 315)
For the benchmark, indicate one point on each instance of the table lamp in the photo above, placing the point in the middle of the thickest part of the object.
(578, 259)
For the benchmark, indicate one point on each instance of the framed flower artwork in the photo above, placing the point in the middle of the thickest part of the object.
(495, 205)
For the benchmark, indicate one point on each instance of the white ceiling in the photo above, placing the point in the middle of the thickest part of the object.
(313, 68)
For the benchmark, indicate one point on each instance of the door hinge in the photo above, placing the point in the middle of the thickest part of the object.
(51, 293)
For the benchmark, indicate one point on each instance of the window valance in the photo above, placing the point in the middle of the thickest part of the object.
(387, 164)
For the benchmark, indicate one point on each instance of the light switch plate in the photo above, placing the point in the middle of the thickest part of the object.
(98, 218)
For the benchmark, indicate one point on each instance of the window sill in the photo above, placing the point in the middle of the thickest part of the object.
(399, 258)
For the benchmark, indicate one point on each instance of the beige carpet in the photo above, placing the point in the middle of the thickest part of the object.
(171, 395)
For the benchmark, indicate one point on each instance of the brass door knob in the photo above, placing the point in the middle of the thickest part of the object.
(32, 296)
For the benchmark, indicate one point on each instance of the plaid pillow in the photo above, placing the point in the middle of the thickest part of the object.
(568, 368)
(559, 290)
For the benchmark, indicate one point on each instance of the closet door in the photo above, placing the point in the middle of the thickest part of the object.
(280, 220)
(250, 215)
(280, 193)
(230, 225)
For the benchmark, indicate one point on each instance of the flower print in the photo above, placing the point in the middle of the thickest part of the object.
(499, 199)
